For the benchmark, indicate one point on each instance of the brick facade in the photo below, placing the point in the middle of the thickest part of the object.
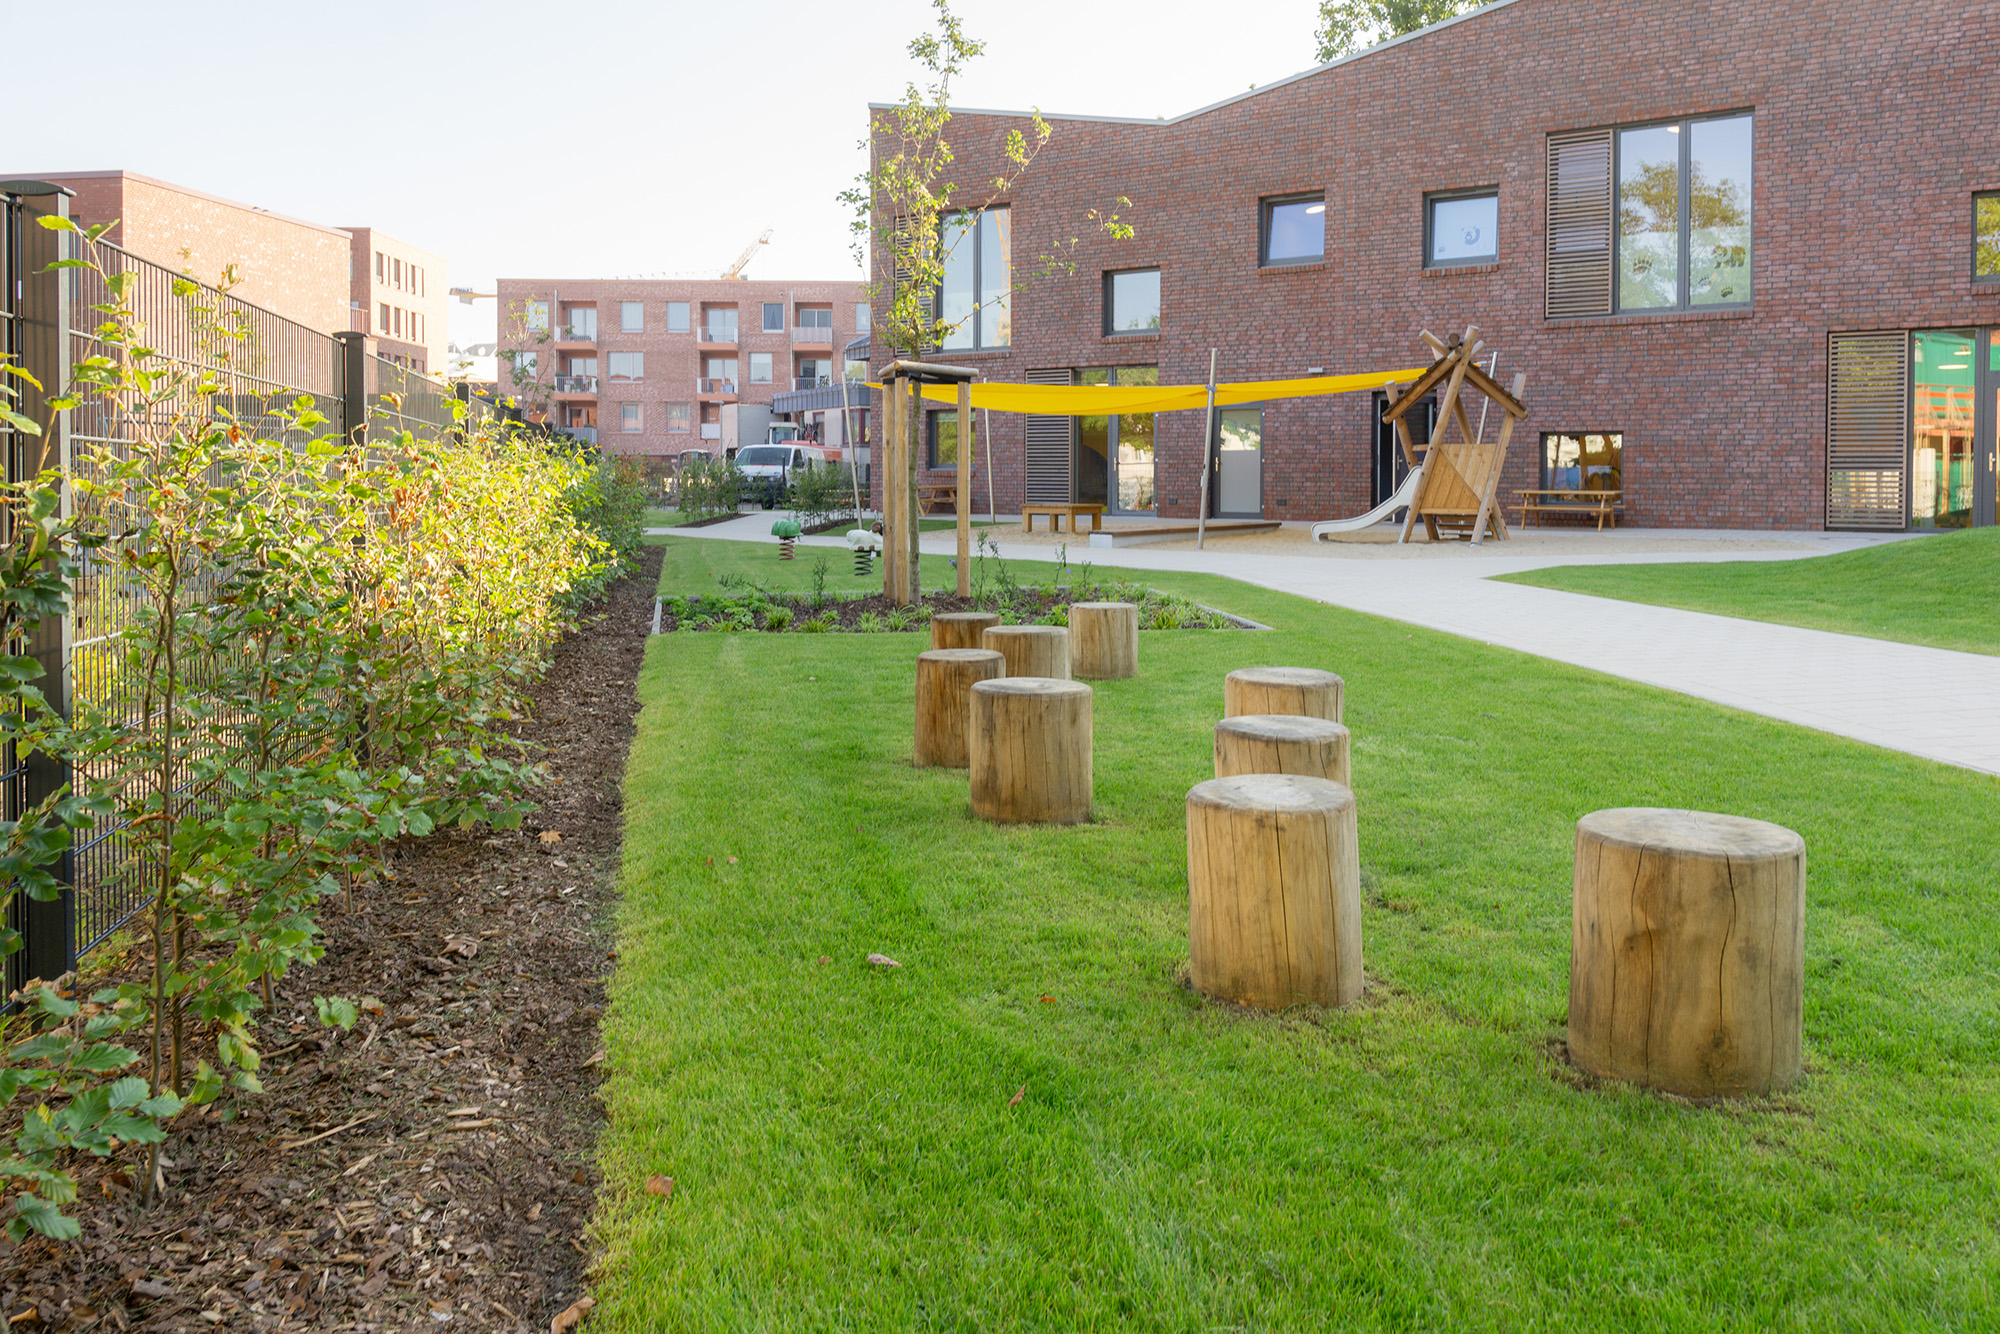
(399, 294)
(1863, 179)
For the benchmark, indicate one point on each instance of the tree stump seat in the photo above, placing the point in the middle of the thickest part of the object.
(1104, 639)
(1030, 750)
(961, 629)
(1277, 743)
(1300, 690)
(945, 677)
(1030, 650)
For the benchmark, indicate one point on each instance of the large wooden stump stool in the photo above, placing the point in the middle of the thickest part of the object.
(945, 677)
(1274, 891)
(961, 629)
(1300, 690)
(1104, 639)
(1031, 650)
(1277, 743)
(1031, 751)
(1687, 951)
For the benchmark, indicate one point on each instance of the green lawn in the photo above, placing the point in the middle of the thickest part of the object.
(841, 1138)
(696, 565)
(1943, 591)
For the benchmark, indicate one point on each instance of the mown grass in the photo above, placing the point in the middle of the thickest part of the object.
(697, 565)
(1942, 591)
(843, 1141)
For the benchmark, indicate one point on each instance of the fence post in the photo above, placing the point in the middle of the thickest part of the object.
(463, 391)
(353, 386)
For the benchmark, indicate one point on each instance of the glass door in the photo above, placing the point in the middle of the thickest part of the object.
(1390, 466)
(1239, 463)
(1986, 431)
(1945, 468)
(1132, 455)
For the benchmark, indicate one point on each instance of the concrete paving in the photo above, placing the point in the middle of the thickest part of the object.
(1935, 703)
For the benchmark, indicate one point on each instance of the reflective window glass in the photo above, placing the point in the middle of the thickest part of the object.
(1649, 217)
(1718, 184)
(1464, 229)
(1132, 301)
(1294, 231)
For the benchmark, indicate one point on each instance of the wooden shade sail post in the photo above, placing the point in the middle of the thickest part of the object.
(1031, 650)
(964, 451)
(1458, 494)
(1208, 464)
(1030, 751)
(1272, 743)
(1274, 891)
(1687, 951)
(961, 629)
(945, 677)
(1104, 639)
(1299, 690)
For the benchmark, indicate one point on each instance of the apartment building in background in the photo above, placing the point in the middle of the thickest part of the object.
(401, 298)
(648, 367)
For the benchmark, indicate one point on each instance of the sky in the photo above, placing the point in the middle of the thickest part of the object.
(580, 140)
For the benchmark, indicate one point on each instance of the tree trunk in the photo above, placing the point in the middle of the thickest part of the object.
(1687, 951)
(1275, 743)
(961, 629)
(1031, 751)
(1104, 639)
(1300, 690)
(1274, 891)
(944, 702)
(1031, 650)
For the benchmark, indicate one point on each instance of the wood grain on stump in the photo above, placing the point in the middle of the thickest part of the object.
(945, 677)
(1687, 951)
(1301, 690)
(1104, 639)
(961, 629)
(1279, 743)
(1031, 650)
(1031, 751)
(1274, 891)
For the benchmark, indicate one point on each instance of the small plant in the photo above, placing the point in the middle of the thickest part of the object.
(899, 619)
(819, 582)
(778, 618)
(820, 624)
(868, 623)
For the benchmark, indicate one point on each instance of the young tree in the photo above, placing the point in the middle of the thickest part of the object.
(1350, 25)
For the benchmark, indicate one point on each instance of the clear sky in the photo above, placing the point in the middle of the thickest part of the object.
(583, 138)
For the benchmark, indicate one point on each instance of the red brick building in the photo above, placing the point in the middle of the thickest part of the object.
(647, 367)
(1749, 261)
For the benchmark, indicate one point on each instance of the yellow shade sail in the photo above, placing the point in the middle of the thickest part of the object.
(1093, 400)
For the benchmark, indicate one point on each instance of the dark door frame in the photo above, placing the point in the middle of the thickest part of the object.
(1985, 390)
(1215, 510)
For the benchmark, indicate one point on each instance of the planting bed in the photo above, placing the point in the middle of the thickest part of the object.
(430, 1168)
(801, 613)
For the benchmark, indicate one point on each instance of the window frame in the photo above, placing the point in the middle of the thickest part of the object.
(610, 374)
(686, 310)
(1432, 198)
(640, 325)
(765, 317)
(1265, 206)
(1542, 458)
(770, 368)
(1683, 304)
(936, 416)
(631, 419)
(980, 301)
(685, 416)
(1978, 197)
(1110, 282)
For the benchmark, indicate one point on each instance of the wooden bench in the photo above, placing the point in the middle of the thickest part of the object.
(937, 497)
(1601, 505)
(1055, 514)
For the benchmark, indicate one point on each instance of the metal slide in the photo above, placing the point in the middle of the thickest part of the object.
(1405, 493)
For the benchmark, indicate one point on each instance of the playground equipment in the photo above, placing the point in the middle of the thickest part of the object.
(787, 532)
(865, 545)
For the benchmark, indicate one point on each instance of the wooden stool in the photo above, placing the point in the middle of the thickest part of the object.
(1031, 751)
(1299, 690)
(1274, 891)
(944, 702)
(1031, 650)
(961, 629)
(1687, 951)
(1278, 743)
(1104, 637)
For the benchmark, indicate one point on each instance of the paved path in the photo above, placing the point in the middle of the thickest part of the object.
(1931, 702)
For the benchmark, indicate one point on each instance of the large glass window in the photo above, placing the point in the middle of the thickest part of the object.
(1132, 301)
(631, 317)
(815, 317)
(863, 320)
(1942, 444)
(720, 323)
(943, 440)
(1293, 230)
(1113, 461)
(626, 365)
(1583, 461)
(977, 291)
(1684, 215)
(1986, 236)
(1462, 228)
(677, 418)
(677, 317)
(629, 419)
(760, 368)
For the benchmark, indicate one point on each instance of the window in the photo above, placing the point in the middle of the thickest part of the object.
(1590, 461)
(536, 314)
(1294, 231)
(524, 367)
(396, 272)
(978, 280)
(631, 317)
(626, 365)
(863, 317)
(399, 321)
(815, 317)
(677, 419)
(381, 267)
(382, 320)
(580, 323)
(721, 374)
(943, 440)
(677, 317)
(1132, 301)
(815, 372)
(720, 323)
(417, 281)
(774, 316)
(1986, 236)
(760, 368)
(1462, 227)
(1113, 455)
(1683, 215)
(628, 418)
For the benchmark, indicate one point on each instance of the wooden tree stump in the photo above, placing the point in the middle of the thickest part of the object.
(1277, 743)
(1104, 639)
(961, 629)
(1031, 650)
(1299, 690)
(1274, 891)
(1031, 751)
(945, 677)
(1687, 951)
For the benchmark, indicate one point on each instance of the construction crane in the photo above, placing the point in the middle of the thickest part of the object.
(735, 271)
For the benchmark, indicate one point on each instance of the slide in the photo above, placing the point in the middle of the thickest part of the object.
(1404, 495)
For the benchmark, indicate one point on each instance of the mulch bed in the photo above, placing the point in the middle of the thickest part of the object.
(430, 1169)
(843, 612)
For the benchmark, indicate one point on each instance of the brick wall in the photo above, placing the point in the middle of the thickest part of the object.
(420, 287)
(1862, 206)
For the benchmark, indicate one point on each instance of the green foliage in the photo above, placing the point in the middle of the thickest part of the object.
(1350, 25)
(823, 494)
(710, 486)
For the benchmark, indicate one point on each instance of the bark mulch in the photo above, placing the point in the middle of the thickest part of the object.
(431, 1169)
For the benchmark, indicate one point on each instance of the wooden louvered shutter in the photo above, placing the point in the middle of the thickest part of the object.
(1578, 271)
(1867, 429)
(1051, 478)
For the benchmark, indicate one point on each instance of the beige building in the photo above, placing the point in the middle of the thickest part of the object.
(400, 295)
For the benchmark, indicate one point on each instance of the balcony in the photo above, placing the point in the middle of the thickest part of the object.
(576, 335)
(813, 337)
(587, 434)
(711, 430)
(716, 336)
(576, 384)
(715, 388)
(813, 382)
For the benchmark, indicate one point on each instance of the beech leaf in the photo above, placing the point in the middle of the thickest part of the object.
(883, 961)
(660, 1186)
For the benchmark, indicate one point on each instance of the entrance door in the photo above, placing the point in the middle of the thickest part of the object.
(1944, 463)
(1239, 463)
(1986, 435)
(1390, 466)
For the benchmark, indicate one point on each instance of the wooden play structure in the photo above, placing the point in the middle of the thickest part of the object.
(1458, 480)
(903, 499)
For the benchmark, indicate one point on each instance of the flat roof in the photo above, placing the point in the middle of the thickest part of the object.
(58, 177)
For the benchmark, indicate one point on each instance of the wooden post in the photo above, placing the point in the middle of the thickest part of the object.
(1300, 690)
(1207, 445)
(1030, 751)
(1687, 951)
(1274, 891)
(891, 472)
(1273, 743)
(965, 447)
(913, 512)
(1104, 639)
(945, 678)
(961, 629)
(1031, 650)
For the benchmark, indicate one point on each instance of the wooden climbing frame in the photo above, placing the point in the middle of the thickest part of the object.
(1459, 491)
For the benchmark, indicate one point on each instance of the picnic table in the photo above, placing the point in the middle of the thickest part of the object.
(1056, 512)
(933, 496)
(1579, 501)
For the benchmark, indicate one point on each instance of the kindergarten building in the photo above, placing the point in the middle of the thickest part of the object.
(1748, 260)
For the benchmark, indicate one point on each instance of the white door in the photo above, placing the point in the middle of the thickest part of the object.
(1239, 453)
